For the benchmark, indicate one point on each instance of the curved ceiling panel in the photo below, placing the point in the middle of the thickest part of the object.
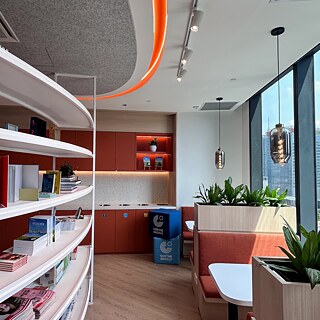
(75, 36)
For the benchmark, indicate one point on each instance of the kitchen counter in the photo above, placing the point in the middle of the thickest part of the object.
(134, 206)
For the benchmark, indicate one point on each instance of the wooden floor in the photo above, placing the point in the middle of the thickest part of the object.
(132, 287)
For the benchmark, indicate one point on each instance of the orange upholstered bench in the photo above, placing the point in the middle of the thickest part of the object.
(187, 236)
(222, 247)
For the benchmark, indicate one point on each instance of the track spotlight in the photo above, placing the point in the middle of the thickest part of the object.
(186, 56)
(181, 74)
(196, 20)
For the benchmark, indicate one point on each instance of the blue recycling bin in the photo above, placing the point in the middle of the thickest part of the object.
(166, 251)
(165, 223)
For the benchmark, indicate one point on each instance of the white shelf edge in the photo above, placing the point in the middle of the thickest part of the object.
(23, 207)
(28, 143)
(44, 260)
(34, 79)
(70, 283)
(82, 301)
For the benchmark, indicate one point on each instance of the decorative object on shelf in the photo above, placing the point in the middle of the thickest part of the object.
(54, 132)
(153, 145)
(219, 155)
(66, 170)
(48, 181)
(158, 163)
(10, 126)
(57, 181)
(146, 163)
(280, 138)
(38, 127)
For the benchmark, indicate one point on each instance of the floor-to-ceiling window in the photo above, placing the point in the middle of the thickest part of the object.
(274, 175)
(317, 124)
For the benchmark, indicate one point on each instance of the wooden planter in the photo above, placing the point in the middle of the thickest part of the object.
(276, 299)
(243, 218)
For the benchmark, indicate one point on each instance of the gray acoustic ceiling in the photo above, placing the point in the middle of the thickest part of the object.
(93, 37)
(214, 106)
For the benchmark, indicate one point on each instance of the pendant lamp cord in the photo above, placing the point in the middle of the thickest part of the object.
(278, 62)
(219, 127)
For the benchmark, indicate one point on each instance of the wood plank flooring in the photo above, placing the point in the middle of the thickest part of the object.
(132, 287)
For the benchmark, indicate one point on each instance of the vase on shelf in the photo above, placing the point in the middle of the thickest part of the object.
(153, 148)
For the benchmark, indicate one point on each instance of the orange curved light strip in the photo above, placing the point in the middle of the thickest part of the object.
(160, 29)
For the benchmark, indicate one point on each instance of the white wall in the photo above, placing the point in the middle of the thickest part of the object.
(197, 141)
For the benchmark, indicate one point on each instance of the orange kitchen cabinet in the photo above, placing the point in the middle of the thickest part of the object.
(106, 151)
(125, 151)
(105, 229)
(143, 241)
(125, 231)
(84, 139)
(70, 137)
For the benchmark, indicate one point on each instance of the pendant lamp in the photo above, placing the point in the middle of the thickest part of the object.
(219, 155)
(280, 139)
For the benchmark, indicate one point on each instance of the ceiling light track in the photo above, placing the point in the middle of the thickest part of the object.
(193, 25)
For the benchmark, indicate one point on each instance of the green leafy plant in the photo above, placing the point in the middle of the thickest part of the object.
(275, 199)
(211, 196)
(304, 257)
(153, 142)
(255, 198)
(232, 196)
(66, 170)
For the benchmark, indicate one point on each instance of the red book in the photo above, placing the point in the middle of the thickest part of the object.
(4, 165)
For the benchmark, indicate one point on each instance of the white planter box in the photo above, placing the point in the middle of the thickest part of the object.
(276, 299)
(243, 218)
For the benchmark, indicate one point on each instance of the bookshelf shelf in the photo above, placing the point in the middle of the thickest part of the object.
(72, 280)
(26, 86)
(82, 302)
(23, 207)
(44, 260)
(28, 143)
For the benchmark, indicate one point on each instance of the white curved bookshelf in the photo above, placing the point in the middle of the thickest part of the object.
(26, 86)
(82, 302)
(70, 283)
(28, 143)
(19, 208)
(44, 260)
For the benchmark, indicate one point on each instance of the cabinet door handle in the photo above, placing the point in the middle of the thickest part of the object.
(104, 215)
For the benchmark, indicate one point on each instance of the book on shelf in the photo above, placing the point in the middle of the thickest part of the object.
(48, 181)
(67, 224)
(30, 243)
(4, 166)
(69, 179)
(15, 308)
(66, 191)
(42, 225)
(10, 126)
(11, 262)
(41, 299)
(57, 183)
(74, 253)
(54, 275)
(38, 127)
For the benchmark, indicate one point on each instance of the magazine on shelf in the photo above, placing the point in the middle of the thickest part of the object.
(41, 225)
(48, 181)
(57, 183)
(11, 262)
(15, 308)
(30, 243)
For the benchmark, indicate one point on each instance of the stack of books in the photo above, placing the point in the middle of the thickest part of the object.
(41, 299)
(69, 184)
(16, 309)
(30, 243)
(67, 224)
(69, 311)
(11, 262)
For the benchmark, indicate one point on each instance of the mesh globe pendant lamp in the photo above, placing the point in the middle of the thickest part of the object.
(280, 138)
(219, 155)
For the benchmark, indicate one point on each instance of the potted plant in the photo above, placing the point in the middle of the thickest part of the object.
(288, 288)
(239, 209)
(153, 145)
(66, 170)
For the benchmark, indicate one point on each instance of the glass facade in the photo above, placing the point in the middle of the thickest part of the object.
(274, 175)
(317, 122)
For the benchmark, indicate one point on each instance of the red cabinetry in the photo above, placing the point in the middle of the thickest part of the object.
(70, 137)
(105, 230)
(164, 151)
(84, 139)
(143, 240)
(106, 151)
(125, 147)
(125, 231)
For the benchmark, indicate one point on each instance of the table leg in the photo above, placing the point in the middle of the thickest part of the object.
(232, 311)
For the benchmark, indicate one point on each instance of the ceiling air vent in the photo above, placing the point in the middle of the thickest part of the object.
(214, 106)
(6, 32)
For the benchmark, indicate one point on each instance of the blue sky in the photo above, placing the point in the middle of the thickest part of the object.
(270, 100)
